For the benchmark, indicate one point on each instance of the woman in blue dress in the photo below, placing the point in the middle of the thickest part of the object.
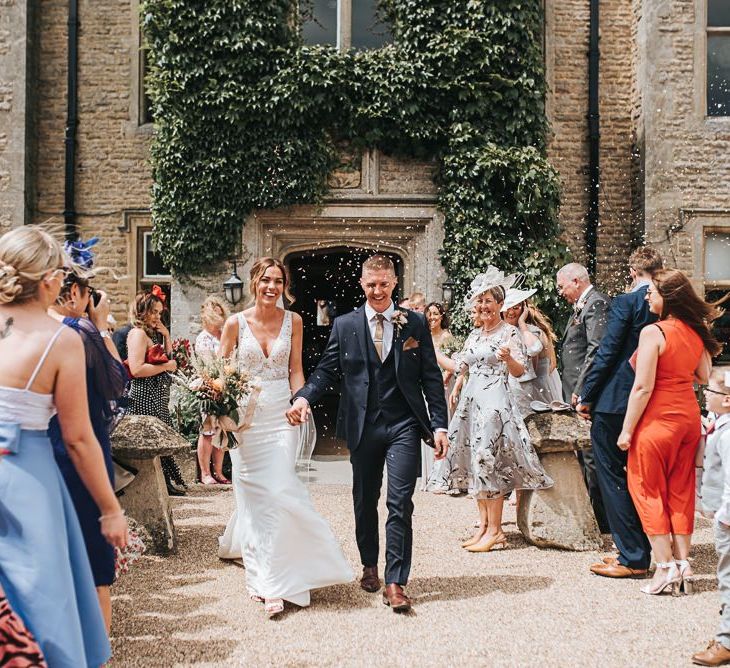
(44, 567)
(105, 380)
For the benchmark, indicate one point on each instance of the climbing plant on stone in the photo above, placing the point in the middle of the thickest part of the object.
(247, 117)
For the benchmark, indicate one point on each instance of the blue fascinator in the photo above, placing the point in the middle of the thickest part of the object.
(80, 253)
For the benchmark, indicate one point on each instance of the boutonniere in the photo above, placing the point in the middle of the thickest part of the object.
(399, 320)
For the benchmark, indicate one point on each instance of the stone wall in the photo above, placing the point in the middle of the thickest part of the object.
(14, 112)
(686, 155)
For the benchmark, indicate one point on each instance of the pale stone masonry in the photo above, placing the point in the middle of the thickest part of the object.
(662, 161)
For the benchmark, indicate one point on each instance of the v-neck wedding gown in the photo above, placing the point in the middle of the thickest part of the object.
(286, 546)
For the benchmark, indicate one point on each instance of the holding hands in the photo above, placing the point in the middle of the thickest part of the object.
(298, 413)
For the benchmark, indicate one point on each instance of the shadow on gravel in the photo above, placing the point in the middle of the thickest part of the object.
(473, 586)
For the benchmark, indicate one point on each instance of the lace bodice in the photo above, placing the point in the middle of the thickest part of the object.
(251, 357)
(480, 350)
(31, 410)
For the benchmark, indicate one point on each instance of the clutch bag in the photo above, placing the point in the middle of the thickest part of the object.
(156, 355)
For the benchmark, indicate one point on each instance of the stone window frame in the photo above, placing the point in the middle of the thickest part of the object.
(136, 123)
(700, 66)
(343, 28)
(704, 222)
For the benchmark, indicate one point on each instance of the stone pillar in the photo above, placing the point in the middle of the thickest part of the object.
(561, 516)
(14, 112)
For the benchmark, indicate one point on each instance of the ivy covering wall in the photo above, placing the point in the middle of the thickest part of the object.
(248, 117)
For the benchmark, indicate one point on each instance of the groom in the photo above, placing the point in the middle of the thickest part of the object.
(386, 360)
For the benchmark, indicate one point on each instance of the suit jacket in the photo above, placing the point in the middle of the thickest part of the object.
(346, 358)
(581, 339)
(608, 383)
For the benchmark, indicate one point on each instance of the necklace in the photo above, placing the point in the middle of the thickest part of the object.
(491, 329)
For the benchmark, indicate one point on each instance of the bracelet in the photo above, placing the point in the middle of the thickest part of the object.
(104, 333)
(121, 513)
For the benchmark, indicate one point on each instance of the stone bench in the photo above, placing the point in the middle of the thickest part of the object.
(139, 441)
(561, 516)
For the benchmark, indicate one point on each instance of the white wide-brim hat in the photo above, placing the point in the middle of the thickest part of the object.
(515, 296)
(491, 278)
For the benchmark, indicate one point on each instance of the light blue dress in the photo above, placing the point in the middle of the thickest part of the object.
(44, 567)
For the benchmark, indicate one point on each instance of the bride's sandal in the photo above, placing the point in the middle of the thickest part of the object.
(687, 582)
(273, 606)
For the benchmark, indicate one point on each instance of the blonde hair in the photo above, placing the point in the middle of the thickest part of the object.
(719, 374)
(259, 269)
(27, 254)
(213, 312)
(378, 263)
(417, 298)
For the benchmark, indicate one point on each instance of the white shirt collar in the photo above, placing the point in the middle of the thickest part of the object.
(722, 420)
(388, 313)
(640, 284)
(582, 299)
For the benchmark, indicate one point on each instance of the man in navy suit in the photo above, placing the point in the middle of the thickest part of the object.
(604, 398)
(386, 362)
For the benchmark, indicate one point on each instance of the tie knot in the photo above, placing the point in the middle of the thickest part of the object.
(379, 317)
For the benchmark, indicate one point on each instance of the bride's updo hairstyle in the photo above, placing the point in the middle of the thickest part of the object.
(27, 254)
(259, 269)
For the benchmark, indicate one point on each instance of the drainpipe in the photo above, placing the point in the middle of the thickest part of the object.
(594, 135)
(69, 210)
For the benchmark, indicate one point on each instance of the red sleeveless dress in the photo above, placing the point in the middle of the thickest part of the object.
(661, 472)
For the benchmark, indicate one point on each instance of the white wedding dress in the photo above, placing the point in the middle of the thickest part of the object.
(287, 548)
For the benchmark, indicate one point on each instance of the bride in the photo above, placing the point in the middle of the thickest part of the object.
(287, 548)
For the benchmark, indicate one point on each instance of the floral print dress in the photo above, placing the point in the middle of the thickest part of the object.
(489, 448)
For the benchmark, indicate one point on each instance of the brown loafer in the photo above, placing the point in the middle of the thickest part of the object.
(370, 581)
(715, 655)
(396, 598)
(617, 570)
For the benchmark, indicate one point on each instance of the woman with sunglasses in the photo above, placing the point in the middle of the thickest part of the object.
(44, 567)
(85, 311)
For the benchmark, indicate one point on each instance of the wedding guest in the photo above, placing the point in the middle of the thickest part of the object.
(537, 383)
(149, 390)
(105, 381)
(404, 303)
(417, 302)
(213, 314)
(44, 567)
(716, 503)
(603, 399)
(119, 337)
(490, 446)
(661, 429)
(438, 324)
(581, 339)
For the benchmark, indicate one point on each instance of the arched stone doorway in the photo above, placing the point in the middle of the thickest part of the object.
(326, 284)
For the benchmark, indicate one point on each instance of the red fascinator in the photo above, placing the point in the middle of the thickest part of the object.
(157, 292)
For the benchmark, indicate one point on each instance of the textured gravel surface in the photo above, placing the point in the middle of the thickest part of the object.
(515, 607)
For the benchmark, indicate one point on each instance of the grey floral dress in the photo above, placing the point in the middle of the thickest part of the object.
(490, 451)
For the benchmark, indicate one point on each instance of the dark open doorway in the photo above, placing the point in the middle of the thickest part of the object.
(326, 284)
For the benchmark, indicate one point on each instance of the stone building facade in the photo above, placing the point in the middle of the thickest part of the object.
(664, 161)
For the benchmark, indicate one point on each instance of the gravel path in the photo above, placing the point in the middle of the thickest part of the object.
(516, 607)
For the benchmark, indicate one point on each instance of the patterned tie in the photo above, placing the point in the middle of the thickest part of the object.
(378, 338)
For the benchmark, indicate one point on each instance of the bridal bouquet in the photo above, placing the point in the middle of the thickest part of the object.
(225, 397)
(452, 345)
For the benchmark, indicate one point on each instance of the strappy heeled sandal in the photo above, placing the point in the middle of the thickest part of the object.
(671, 582)
(687, 583)
(273, 607)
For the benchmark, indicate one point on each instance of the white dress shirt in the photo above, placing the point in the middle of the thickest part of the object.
(582, 299)
(370, 314)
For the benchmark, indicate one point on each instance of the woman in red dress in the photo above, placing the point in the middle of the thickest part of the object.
(662, 425)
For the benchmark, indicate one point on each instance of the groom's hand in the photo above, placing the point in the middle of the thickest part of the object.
(440, 444)
(298, 412)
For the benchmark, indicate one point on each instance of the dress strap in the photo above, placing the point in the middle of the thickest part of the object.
(38, 366)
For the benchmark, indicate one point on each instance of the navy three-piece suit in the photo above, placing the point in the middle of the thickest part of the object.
(383, 417)
(606, 389)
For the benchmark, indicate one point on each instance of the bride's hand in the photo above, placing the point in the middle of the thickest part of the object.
(298, 412)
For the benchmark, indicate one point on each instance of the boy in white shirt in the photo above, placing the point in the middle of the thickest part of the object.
(716, 502)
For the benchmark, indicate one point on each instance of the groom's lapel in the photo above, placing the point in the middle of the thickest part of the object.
(362, 332)
(398, 341)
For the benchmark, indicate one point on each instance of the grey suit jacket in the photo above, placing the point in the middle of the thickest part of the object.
(581, 339)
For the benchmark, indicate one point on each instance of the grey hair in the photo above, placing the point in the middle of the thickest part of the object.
(574, 270)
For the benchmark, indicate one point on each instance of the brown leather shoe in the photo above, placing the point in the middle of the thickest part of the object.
(715, 655)
(370, 581)
(617, 570)
(396, 598)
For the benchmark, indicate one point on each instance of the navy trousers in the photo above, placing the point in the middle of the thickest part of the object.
(398, 447)
(633, 545)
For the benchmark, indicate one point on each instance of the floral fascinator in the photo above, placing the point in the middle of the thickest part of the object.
(491, 278)
(80, 252)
